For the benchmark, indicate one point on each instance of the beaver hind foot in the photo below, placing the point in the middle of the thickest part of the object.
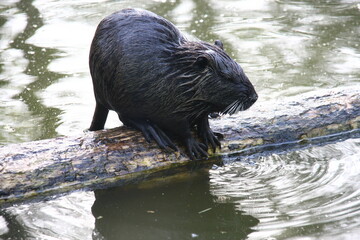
(195, 149)
(151, 132)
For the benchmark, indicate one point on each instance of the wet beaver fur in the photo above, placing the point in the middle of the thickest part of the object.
(162, 84)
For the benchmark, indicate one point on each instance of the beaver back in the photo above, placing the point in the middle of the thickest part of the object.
(143, 67)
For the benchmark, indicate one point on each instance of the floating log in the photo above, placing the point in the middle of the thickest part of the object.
(121, 155)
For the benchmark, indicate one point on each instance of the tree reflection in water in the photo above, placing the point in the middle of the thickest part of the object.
(180, 208)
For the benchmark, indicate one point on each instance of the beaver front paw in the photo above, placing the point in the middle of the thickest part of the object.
(195, 149)
(210, 138)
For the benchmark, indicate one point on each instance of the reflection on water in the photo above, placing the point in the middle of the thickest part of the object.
(313, 192)
(179, 209)
(285, 47)
(63, 218)
(34, 68)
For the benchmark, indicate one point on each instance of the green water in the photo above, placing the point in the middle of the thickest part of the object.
(285, 47)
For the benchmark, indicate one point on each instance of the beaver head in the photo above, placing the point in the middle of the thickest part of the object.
(210, 81)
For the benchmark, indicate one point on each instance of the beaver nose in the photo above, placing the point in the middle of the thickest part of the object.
(253, 97)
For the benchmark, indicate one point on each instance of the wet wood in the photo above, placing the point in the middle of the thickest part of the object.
(119, 156)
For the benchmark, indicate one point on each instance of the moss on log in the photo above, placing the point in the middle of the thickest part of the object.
(100, 159)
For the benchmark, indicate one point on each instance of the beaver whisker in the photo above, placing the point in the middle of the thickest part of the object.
(240, 107)
(236, 108)
(230, 108)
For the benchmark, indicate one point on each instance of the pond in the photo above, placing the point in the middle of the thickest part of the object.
(286, 48)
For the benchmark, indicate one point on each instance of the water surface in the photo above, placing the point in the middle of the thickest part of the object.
(285, 47)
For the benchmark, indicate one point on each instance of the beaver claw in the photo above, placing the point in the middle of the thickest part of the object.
(151, 132)
(154, 132)
(195, 149)
(208, 136)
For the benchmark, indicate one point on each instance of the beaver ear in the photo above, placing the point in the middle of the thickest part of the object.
(201, 62)
(219, 44)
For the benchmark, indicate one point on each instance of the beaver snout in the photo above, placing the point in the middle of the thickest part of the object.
(253, 97)
(244, 100)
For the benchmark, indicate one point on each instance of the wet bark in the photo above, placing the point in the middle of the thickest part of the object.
(119, 156)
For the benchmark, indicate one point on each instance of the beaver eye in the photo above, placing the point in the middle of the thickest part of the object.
(234, 79)
(228, 77)
(231, 79)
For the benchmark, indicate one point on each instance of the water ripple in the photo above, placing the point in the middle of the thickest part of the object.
(299, 193)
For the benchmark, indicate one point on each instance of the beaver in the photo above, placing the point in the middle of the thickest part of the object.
(161, 83)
